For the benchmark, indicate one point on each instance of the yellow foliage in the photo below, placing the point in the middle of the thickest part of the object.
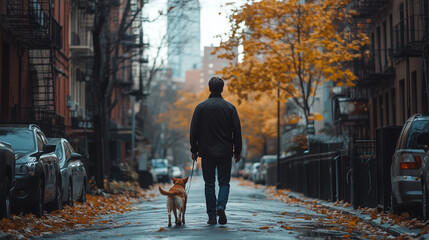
(293, 45)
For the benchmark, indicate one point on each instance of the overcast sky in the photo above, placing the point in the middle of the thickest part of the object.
(212, 23)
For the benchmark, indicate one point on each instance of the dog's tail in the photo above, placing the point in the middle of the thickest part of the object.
(163, 192)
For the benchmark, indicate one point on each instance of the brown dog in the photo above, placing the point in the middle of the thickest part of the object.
(176, 199)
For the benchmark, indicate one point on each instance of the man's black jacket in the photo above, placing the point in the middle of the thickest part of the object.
(215, 128)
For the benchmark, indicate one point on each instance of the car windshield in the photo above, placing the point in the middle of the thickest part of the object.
(176, 169)
(270, 159)
(22, 140)
(417, 128)
(159, 164)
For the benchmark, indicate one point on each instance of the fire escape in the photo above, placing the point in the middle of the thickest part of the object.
(350, 105)
(32, 24)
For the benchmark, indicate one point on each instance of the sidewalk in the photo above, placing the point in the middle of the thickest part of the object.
(394, 229)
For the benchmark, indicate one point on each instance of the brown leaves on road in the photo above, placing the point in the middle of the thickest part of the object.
(81, 215)
(336, 220)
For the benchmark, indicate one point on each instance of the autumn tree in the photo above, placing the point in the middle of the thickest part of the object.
(293, 45)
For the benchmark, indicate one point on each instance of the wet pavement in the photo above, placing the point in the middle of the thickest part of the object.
(250, 216)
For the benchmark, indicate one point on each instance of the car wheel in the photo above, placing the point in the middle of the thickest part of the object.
(38, 206)
(425, 206)
(394, 208)
(58, 203)
(5, 199)
(83, 196)
(70, 194)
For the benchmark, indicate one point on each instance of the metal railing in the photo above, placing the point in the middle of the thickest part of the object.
(334, 175)
(410, 34)
(51, 123)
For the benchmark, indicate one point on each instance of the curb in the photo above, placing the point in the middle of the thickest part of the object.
(395, 230)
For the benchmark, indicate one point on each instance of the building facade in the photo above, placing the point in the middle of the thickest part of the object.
(392, 74)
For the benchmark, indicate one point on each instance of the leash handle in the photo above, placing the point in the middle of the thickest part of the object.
(190, 181)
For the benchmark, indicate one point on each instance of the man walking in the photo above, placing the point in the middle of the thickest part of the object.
(215, 136)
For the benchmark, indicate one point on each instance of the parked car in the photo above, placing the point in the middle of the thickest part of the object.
(266, 160)
(7, 178)
(73, 173)
(162, 169)
(246, 170)
(406, 162)
(177, 172)
(423, 143)
(37, 172)
(254, 171)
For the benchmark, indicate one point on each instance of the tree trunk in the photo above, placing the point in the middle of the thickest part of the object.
(99, 42)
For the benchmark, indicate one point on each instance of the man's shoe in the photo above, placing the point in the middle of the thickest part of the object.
(212, 221)
(222, 216)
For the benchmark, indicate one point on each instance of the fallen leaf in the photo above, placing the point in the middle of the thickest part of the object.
(162, 229)
(266, 227)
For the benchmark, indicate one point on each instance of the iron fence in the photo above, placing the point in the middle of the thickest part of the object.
(334, 175)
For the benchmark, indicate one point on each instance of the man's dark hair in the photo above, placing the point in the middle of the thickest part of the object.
(216, 85)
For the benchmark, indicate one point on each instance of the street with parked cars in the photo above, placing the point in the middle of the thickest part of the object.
(38, 174)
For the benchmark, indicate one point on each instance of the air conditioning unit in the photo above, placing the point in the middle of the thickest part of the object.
(73, 106)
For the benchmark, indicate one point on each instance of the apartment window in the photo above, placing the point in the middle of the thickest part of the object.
(378, 50)
(426, 13)
(424, 94)
(393, 96)
(385, 43)
(414, 91)
(386, 103)
(402, 99)
(401, 25)
(391, 31)
(382, 110)
(374, 111)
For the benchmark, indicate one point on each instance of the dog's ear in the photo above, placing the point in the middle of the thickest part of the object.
(174, 179)
(185, 179)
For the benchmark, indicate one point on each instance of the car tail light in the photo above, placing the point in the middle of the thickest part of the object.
(409, 161)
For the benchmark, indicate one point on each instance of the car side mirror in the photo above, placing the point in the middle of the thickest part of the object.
(48, 148)
(75, 156)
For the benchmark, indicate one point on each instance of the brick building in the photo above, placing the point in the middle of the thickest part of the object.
(34, 69)
(392, 75)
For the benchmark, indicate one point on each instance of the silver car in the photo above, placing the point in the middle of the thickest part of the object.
(73, 173)
(406, 163)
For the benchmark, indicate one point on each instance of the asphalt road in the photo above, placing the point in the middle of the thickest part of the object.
(248, 211)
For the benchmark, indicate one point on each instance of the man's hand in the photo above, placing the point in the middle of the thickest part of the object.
(194, 156)
(237, 158)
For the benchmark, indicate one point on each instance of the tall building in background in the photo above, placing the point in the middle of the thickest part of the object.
(212, 64)
(184, 37)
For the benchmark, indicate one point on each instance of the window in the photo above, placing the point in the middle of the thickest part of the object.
(414, 89)
(387, 108)
(40, 143)
(385, 43)
(66, 151)
(381, 110)
(20, 140)
(378, 60)
(374, 111)
(424, 94)
(393, 96)
(391, 31)
(402, 98)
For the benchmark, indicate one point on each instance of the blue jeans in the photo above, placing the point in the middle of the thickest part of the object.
(223, 166)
